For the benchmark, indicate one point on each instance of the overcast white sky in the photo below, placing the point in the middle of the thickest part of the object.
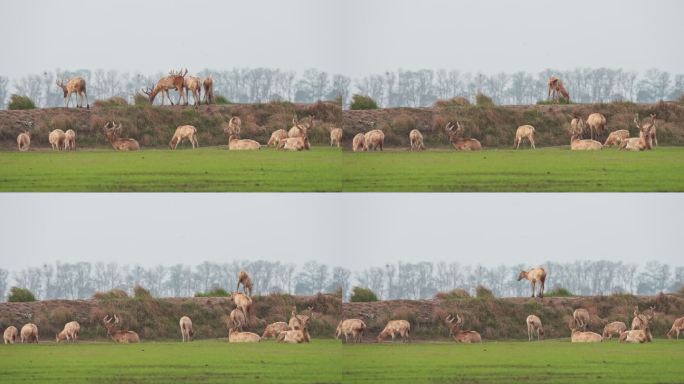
(354, 37)
(350, 230)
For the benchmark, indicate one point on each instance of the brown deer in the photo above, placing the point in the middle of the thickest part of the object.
(184, 132)
(359, 142)
(353, 328)
(294, 144)
(301, 129)
(10, 335)
(580, 318)
(235, 336)
(75, 85)
(24, 141)
(374, 140)
(557, 89)
(69, 333)
(274, 329)
(70, 140)
(616, 138)
(459, 335)
(235, 144)
(636, 336)
(645, 139)
(238, 320)
(597, 125)
(584, 145)
(296, 335)
(233, 128)
(175, 80)
(192, 84)
(677, 327)
(524, 132)
(276, 137)
(584, 337)
(56, 138)
(112, 131)
(615, 327)
(457, 140)
(394, 328)
(187, 332)
(534, 275)
(208, 85)
(577, 127)
(244, 303)
(119, 336)
(416, 139)
(642, 320)
(246, 281)
(29, 333)
(336, 137)
(534, 325)
(299, 322)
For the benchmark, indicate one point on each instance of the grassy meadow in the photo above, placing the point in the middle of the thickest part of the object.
(327, 361)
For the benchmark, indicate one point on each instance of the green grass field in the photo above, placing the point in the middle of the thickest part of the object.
(327, 361)
(327, 169)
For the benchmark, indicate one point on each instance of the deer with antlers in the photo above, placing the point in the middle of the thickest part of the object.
(208, 85)
(299, 322)
(301, 129)
(459, 335)
(642, 320)
(174, 80)
(194, 85)
(118, 335)
(457, 140)
(76, 85)
(112, 131)
(646, 137)
(557, 89)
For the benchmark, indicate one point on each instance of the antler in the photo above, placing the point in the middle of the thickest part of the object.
(450, 126)
(637, 121)
(184, 73)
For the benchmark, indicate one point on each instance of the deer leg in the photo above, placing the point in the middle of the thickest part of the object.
(541, 292)
(533, 286)
(532, 142)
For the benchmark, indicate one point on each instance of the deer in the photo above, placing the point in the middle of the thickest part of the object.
(636, 336)
(112, 131)
(70, 140)
(69, 333)
(24, 141)
(584, 337)
(359, 142)
(642, 320)
(10, 335)
(243, 302)
(577, 127)
(175, 80)
(235, 336)
(677, 327)
(645, 139)
(274, 329)
(294, 144)
(374, 140)
(119, 336)
(300, 322)
(534, 325)
(396, 327)
(557, 89)
(56, 139)
(301, 129)
(615, 327)
(534, 276)
(616, 138)
(597, 125)
(580, 318)
(238, 320)
(459, 335)
(192, 84)
(351, 327)
(234, 127)
(276, 137)
(577, 144)
(524, 132)
(75, 85)
(184, 132)
(246, 281)
(187, 332)
(336, 137)
(296, 335)
(235, 144)
(457, 140)
(416, 139)
(208, 85)
(29, 333)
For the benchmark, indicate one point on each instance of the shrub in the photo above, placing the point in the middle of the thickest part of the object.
(554, 102)
(404, 123)
(115, 293)
(559, 292)
(140, 292)
(483, 100)
(482, 292)
(115, 101)
(362, 295)
(20, 102)
(218, 99)
(20, 295)
(457, 293)
(362, 102)
(458, 101)
(214, 292)
(680, 292)
(681, 99)
(140, 100)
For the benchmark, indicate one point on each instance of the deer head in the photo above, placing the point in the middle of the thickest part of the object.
(523, 274)
(60, 83)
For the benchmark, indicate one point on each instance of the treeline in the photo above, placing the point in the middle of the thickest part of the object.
(401, 88)
(393, 281)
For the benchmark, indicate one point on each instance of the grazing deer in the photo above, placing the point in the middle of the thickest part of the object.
(75, 85)
(24, 141)
(584, 145)
(294, 144)
(70, 140)
(374, 140)
(580, 319)
(416, 139)
(336, 137)
(459, 335)
(246, 281)
(597, 124)
(577, 127)
(187, 332)
(677, 327)
(184, 132)
(534, 325)
(584, 337)
(29, 333)
(235, 336)
(119, 336)
(238, 320)
(636, 336)
(557, 89)
(616, 327)
(208, 85)
(56, 139)
(112, 131)
(534, 275)
(301, 129)
(192, 84)
(175, 80)
(524, 132)
(242, 302)
(457, 140)
(276, 137)
(274, 329)
(235, 144)
(616, 138)
(396, 327)
(351, 327)
(642, 320)
(69, 333)
(10, 335)
(359, 142)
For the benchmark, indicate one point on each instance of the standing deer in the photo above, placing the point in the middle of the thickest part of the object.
(184, 132)
(112, 131)
(535, 275)
(677, 327)
(457, 140)
(246, 281)
(175, 80)
(580, 319)
(557, 89)
(70, 140)
(75, 85)
(524, 132)
(69, 333)
(208, 85)
(534, 325)
(616, 327)
(416, 139)
(29, 333)
(244, 303)
(351, 327)
(119, 336)
(336, 137)
(24, 141)
(394, 328)
(577, 127)
(192, 84)
(459, 335)
(186, 328)
(597, 125)
(374, 140)
(10, 335)
(238, 320)
(56, 139)
(359, 142)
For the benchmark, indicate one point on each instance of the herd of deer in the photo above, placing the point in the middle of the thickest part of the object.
(296, 330)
